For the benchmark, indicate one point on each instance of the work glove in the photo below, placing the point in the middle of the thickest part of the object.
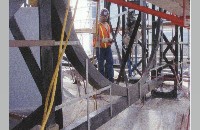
(110, 40)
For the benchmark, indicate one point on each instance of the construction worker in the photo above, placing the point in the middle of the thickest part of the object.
(126, 39)
(102, 42)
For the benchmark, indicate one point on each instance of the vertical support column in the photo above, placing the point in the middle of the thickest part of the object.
(176, 58)
(87, 91)
(45, 33)
(143, 18)
(56, 33)
(148, 34)
(153, 73)
(189, 59)
(123, 29)
(161, 40)
(161, 46)
(49, 57)
(46, 54)
(181, 56)
(123, 32)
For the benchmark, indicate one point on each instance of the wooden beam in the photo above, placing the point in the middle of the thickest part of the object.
(32, 43)
(83, 30)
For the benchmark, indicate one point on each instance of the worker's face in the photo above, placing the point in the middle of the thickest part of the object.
(104, 18)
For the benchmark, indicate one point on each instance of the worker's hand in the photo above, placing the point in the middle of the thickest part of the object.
(110, 40)
(105, 40)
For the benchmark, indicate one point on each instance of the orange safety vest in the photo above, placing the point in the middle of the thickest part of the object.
(103, 33)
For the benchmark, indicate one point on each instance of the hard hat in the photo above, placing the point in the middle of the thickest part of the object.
(104, 12)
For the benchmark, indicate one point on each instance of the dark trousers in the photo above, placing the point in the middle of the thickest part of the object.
(105, 54)
(129, 67)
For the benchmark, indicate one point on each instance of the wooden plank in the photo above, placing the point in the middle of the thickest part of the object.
(32, 43)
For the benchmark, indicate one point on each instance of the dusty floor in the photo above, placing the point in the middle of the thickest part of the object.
(153, 114)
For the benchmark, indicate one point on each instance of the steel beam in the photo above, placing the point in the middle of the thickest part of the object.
(176, 59)
(161, 40)
(49, 58)
(123, 32)
(123, 29)
(143, 19)
(181, 56)
(169, 45)
(56, 33)
(153, 73)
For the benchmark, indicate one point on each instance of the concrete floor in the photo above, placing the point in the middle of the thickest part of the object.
(153, 114)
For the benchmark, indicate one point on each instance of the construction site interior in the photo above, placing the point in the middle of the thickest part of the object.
(54, 82)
